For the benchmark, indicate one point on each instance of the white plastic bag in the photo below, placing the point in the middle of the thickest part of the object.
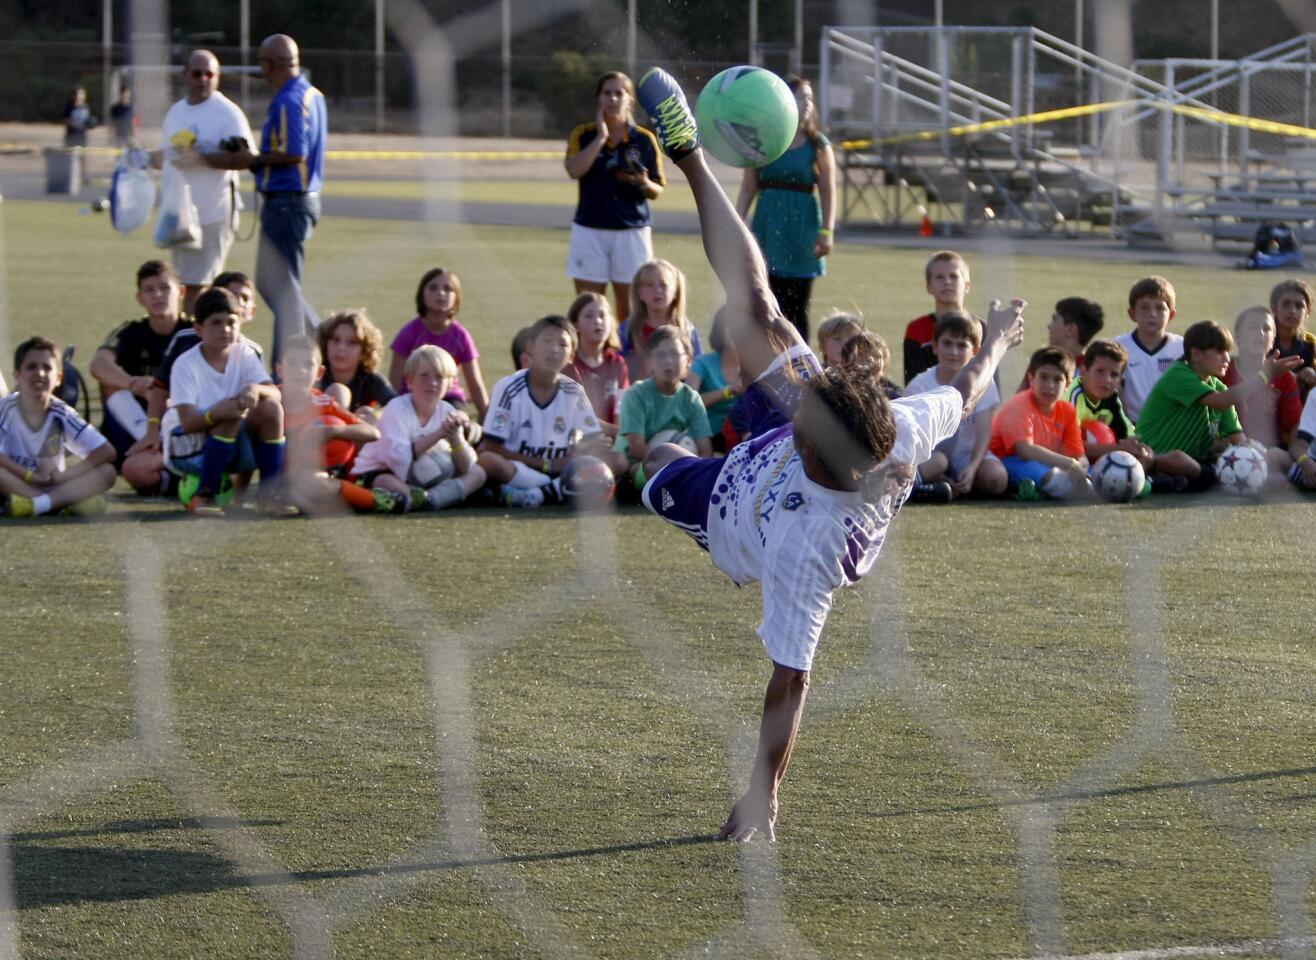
(177, 225)
(132, 192)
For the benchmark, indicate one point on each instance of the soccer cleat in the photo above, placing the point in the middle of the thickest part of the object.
(91, 507)
(20, 506)
(203, 504)
(673, 121)
(523, 496)
(386, 502)
(1027, 491)
(419, 500)
(938, 491)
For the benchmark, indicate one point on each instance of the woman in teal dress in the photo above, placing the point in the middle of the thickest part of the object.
(796, 210)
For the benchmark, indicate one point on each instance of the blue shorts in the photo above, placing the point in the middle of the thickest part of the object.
(681, 492)
(1017, 468)
(243, 459)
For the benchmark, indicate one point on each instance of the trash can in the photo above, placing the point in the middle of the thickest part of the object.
(63, 169)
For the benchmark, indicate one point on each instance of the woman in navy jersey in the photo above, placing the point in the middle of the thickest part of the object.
(619, 169)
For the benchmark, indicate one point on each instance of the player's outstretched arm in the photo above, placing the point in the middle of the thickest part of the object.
(758, 328)
(1005, 329)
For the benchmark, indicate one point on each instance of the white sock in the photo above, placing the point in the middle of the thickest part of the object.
(41, 504)
(1060, 485)
(127, 413)
(446, 494)
(526, 477)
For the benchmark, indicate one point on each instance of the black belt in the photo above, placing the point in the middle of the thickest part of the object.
(783, 185)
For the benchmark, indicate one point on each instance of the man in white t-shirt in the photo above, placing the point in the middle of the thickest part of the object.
(200, 144)
(802, 509)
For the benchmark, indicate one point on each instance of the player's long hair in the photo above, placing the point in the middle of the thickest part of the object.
(846, 417)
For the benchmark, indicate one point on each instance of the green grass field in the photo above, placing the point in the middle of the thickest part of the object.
(1032, 730)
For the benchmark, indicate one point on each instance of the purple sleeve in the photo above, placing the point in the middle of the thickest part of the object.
(405, 341)
(465, 350)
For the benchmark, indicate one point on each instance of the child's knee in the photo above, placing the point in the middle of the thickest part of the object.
(474, 478)
(991, 477)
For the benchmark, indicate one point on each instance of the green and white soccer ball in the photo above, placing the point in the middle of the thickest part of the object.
(747, 116)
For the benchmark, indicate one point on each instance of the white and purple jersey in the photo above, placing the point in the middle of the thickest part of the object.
(762, 519)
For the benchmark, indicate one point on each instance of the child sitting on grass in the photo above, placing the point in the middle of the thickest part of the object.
(538, 419)
(351, 347)
(962, 463)
(1291, 303)
(658, 292)
(947, 278)
(597, 365)
(661, 403)
(715, 376)
(1150, 347)
(1268, 416)
(1035, 434)
(438, 300)
(836, 330)
(1190, 408)
(36, 428)
(414, 424)
(229, 414)
(323, 438)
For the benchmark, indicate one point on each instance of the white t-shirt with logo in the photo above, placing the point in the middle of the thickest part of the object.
(517, 421)
(216, 118)
(43, 449)
(399, 426)
(1145, 368)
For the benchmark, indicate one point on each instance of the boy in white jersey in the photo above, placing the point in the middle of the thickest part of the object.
(35, 430)
(1151, 348)
(802, 509)
(416, 423)
(533, 416)
(229, 416)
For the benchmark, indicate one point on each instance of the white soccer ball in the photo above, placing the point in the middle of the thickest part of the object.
(1118, 476)
(678, 437)
(431, 468)
(1241, 471)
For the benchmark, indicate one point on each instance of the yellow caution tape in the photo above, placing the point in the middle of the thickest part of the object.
(1068, 113)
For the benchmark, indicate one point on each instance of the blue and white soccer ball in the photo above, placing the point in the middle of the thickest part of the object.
(1241, 471)
(431, 468)
(1118, 476)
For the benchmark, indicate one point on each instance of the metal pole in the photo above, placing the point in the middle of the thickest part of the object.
(938, 15)
(632, 32)
(1078, 67)
(244, 39)
(507, 68)
(1215, 29)
(1245, 134)
(107, 52)
(797, 51)
(754, 32)
(379, 66)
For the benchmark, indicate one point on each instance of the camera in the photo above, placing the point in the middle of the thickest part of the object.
(234, 144)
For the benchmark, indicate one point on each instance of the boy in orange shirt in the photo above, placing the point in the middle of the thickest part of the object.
(1036, 434)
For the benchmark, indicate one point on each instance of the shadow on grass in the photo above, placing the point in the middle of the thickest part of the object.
(1078, 795)
(46, 876)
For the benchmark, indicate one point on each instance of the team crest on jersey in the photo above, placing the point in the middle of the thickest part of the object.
(793, 501)
(500, 422)
(559, 424)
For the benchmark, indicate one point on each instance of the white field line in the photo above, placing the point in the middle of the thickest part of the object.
(1242, 948)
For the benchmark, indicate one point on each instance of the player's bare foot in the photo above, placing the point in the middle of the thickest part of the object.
(755, 813)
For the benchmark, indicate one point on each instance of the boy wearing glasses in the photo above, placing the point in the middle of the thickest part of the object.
(200, 144)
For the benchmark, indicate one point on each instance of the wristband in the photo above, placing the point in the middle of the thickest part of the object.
(1264, 379)
(154, 420)
(1299, 461)
(27, 477)
(547, 465)
(726, 393)
(209, 422)
(824, 232)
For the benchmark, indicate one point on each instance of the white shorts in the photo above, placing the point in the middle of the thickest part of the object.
(197, 268)
(599, 256)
